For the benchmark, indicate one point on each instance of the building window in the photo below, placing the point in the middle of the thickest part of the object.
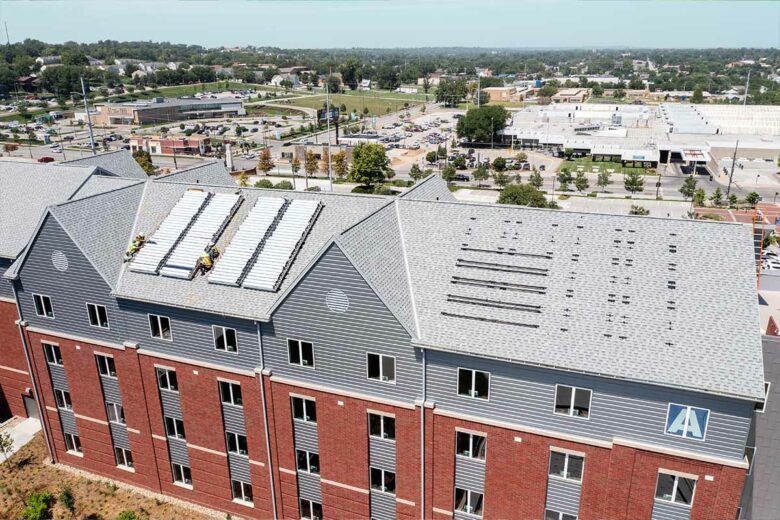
(73, 443)
(175, 428)
(381, 367)
(300, 353)
(675, 489)
(550, 514)
(43, 306)
(115, 413)
(160, 327)
(123, 457)
(383, 480)
(166, 379)
(750, 454)
(63, 399)
(106, 366)
(687, 421)
(565, 465)
(181, 474)
(308, 461)
(53, 354)
(760, 407)
(382, 426)
(231, 393)
(241, 491)
(470, 445)
(236, 443)
(310, 510)
(304, 409)
(572, 401)
(98, 316)
(225, 339)
(473, 383)
(468, 501)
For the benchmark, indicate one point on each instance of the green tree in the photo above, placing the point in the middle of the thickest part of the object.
(459, 162)
(482, 124)
(598, 90)
(370, 164)
(295, 165)
(265, 162)
(634, 182)
(350, 73)
(638, 210)
(448, 173)
(334, 84)
(603, 180)
(339, 164)
(284, 185)
(127, 515)
(68, 500)
(144, 159)
(415, 173)
(451, 92)
(521, 157)
(733, 200)
(699, 196)
(264, 183)
(549, 90)
(619, 93)
(481, 174)
(581, 182)
(523, 195)
(310, 165)
(717, 196)
(38, 505)
(688, 188)
(698, 96)
(499, 164)
(568, 152)
(564, 179)
(441, 152)
(535, 179)
(752, 198)
(432, 157)
(500, 178)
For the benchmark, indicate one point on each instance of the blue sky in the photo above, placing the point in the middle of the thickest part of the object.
(402, 23)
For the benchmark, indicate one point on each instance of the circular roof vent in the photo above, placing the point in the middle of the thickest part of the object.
(337, 301)
(59, 260)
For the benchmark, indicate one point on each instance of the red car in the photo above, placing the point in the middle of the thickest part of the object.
(46, 159)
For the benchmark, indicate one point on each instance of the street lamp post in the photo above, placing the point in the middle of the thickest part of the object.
(491, 133)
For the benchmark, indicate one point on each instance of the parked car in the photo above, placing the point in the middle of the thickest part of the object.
(46, 159)
(461, 177)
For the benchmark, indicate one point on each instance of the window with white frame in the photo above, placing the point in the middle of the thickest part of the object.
(310, 510)
(98, 316)
(115, 413)
(181, 474)
(166, 379)
(473, 383)
(382, 426)
(53, 354)
(469, 502)
(687, 421)
(551, 514)
(572, 401)
(72, 443)
(123, 457)
(760, 407)
(750, 454)
(566, 465)
(175, 428)
(381, 367)
(230, 393)
(106, 365)
(160, 327)
(236, 443)
(300, 353)
(241, 491)
(470, 445)
(383, 480)
(675, 489)
(43, 307)
(62, 397)
(304, 409)
(307, 461)
(225, 339)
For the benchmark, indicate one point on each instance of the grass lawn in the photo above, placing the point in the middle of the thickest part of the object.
(603, 166)
(26, 472)
(271, 111)
(389, 94)
(375, 105)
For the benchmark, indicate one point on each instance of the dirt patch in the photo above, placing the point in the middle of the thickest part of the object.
(27, 471)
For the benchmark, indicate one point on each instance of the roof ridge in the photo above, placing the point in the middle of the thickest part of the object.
(91, 156)
(126, 186)
(407, 270)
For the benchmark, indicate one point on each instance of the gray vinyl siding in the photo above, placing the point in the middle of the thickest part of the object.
(111, 391)
(306, 436)
(68, 420)
(177, 448)
(381, 454)
(470, 474)
(239, 467)
(69, 290)
(171, 404)
(382, 505)
(119, 435)
(309, 487)
(59, 380)
(341, 340)
(563, 495)
(233, 416)
(6, 290)
(525, 396)
(666, 511)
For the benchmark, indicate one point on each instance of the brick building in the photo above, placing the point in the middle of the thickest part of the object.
(358, 356)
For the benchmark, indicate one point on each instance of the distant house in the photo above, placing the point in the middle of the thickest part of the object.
(279, 78)
(48, 60)
(365, 85)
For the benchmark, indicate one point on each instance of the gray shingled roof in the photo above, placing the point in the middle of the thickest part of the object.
(212, 173)
(119, 163)
(432, 187)
(101, 184)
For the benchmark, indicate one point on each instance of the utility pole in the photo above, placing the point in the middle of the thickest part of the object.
(89, 119)
(327, 108)
(7, 38)
(733, 162)
(479, 82)
(747, 86)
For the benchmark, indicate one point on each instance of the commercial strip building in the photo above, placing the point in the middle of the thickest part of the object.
(165, 110)
(356, 356)
(192, 145)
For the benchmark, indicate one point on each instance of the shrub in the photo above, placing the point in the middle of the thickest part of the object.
(38, 505)
(67, 499)
(127, 515)
(264, 183)
(593, 194)
(363, 189)
(313, 188)
(284, 185)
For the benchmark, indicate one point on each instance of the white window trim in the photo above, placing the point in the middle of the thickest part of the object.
(167, 379)
(73, 442)
(181, 482)
(242, 499)
(236, 435)
(43, 307)
(305, 414)
(571, 404)
(46, 346)
(107, 356)
(116, 407)
(677, 478)
(767, 388)
(232, 397)
(124, 458)
(468, 501)
(64, 406)
(176, 434)
(566, 455)
(224, 338)
(560, 513)
(687, 422)
(382, 418)
(97, 314)
(311, 507)
(381, 368)
(383, 471)
(300, 354)
(471, 445)
(308, 461)
(473, 380)
(159, 326)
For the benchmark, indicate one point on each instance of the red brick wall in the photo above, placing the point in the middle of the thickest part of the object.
(14, 377)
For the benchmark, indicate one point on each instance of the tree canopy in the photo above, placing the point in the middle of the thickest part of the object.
(478, 123)
(370, 164)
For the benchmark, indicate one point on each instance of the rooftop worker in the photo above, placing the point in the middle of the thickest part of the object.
(135, 246)
(206, 261)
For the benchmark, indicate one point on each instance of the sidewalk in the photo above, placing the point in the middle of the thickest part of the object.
(21, 430)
